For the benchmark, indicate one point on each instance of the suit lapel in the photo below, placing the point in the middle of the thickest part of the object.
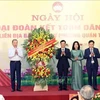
(60, 50)
(65, 50)
(89, 50)
(94, 50)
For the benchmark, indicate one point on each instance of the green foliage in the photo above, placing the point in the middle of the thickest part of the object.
(34, 37)
(42, 82)
(97, 97)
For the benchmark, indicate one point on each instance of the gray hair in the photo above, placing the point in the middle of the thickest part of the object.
(87, 92)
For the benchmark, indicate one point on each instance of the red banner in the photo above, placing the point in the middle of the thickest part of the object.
(42, 47)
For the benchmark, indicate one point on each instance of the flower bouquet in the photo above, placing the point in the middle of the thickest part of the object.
(40, 74)
(96, 97)
(40, 45)
(40, 48)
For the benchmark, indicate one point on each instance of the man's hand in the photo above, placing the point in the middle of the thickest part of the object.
(63, 53)
(92, 54)
(16, 52)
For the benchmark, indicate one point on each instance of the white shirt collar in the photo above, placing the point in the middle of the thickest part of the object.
(14, 48)
(63, 49)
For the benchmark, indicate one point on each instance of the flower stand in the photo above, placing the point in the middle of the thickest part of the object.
(39, 88)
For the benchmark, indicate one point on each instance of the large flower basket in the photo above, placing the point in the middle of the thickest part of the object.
(40, 74)
(40, 49)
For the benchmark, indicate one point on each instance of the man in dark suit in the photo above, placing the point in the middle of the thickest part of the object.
(62, 55)
(91, 54)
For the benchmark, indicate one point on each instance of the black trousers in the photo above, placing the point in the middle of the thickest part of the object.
(15, 66)
(63, 73)
(92, 72)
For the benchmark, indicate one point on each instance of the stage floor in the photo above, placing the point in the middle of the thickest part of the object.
(29, 94)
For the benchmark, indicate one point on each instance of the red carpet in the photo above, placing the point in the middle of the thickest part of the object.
(28, 94)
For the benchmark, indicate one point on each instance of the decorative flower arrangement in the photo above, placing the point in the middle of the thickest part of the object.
(40, 45)
(40, 74)
(40, 48)
(96, 97)
(44, 55)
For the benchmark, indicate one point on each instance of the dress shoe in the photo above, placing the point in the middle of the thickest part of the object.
(60, 86)
(96, 89)
(19, 90)
(65, 89)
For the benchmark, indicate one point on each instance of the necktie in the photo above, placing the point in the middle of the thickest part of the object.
(63, 49)
(92, 61)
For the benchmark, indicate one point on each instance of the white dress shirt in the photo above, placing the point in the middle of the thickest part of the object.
(62, 49)
(1, 97)
(91, 50)
(14, 57)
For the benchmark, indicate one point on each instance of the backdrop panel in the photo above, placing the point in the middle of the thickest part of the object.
(69, 20)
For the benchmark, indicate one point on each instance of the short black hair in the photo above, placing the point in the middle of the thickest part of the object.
(91, 41)
(73, 48)
(62, 41)
(14, 40)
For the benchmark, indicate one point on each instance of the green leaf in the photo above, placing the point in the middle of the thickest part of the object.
(41, 81)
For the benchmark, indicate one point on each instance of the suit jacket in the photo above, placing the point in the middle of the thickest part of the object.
(63, 59)
(88, 58)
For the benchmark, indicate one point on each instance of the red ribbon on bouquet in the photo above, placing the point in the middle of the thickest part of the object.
(42, 47)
